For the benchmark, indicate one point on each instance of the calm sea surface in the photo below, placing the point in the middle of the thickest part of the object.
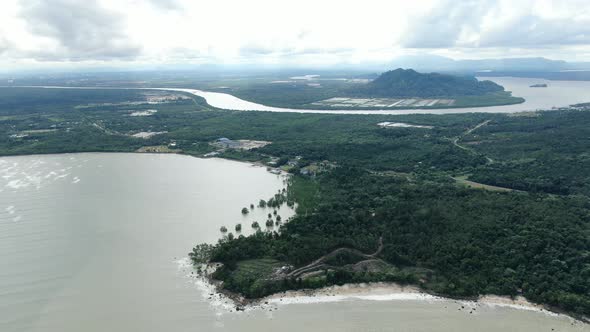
(98, 242)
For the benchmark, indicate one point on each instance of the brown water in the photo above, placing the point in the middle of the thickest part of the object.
(98, 242)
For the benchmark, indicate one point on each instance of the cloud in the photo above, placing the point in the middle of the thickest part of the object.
(80, 30)
(446, 23)
(166, 4)
(533, 31)
(251, 49)
(254, 49)
(4, 45)
(306, 32)
(499, 24)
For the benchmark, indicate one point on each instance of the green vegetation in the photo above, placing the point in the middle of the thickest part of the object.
(472, 241)
(250, 275)
(201, 253)
(409, 83)
(545, 152)
(389, 210)
(399, 83)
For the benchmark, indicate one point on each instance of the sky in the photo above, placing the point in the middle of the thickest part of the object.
(82, 33)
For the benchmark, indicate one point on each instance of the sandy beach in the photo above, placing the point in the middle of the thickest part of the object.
(395, 292)
(381, 291)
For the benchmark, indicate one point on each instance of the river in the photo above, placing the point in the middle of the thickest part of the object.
(557, 94)
(98, 242)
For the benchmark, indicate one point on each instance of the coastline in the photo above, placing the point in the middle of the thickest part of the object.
(384, 291)
(258, 164)
(372, 291)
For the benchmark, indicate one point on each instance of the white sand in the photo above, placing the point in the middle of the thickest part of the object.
(393, 292)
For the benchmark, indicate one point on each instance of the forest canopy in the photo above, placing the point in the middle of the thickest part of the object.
(404, 83)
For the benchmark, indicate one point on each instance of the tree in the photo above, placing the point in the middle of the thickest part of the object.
(255, 225)
(262, 203)
(223, 229)
(201, 253)
(238, 227)
(245, 211)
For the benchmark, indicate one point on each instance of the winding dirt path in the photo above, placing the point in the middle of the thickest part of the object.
(320, 262)
(467, 132)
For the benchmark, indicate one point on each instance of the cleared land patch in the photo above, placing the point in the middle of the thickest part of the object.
(148, 134)
(242, 144)
(383, 102)
(463, 181)
(157, 149)
(401, 125)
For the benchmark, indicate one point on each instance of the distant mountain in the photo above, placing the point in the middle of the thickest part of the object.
(409, 83)
(439, 63)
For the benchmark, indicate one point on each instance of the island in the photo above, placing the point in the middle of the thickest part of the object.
(540, 85)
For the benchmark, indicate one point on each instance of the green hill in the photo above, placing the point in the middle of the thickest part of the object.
(403, 83)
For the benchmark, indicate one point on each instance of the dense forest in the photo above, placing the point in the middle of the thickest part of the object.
(459, 242)
(391, 208)
(537, 152)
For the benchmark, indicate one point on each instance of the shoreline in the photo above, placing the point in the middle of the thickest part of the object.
(179, 153)
(385, 291)
(372, 291)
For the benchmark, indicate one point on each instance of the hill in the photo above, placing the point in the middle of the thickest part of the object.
(402, 83)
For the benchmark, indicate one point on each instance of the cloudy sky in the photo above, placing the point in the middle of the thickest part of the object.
(314, 32)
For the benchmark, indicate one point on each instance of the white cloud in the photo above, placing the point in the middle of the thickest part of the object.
(77, 30)
(304, 31)
(501, 23)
